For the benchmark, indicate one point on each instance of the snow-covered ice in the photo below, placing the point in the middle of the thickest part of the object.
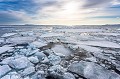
(88, 48)
(38, 44)
(20, 63)
(4, 70)
(100, 44)
(52, 34)
(8, 34)
(79, 30)
(60, 52)
(20, 40)
(3, 49)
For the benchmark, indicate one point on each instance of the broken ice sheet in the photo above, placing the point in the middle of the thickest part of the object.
(94, 53)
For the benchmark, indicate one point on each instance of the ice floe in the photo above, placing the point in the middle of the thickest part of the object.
(3, 49)
(20, 63)
(4, 70)
(20, 40)
(60, 53)
(61, 50)
(8, 34)
(52, 35)
(92, 71)
(100, 44)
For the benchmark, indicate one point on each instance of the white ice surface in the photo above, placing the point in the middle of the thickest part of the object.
(108, 34)
(88, 48)
(38, 44)
(4, 49)
(28, 71)
(61, 50)
(51, 34)
(4, 70)
(79, 30)
(20, 40)
(20, 63)
(100, 44)
(1, 40)
(8, 34)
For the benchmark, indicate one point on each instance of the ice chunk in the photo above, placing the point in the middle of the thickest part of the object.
(4, 70)
(46, 60)
(20, 40)
(92, 71)
(6, 77)
(20, 63)
(8, 34)
(33, 59)
(27, 52)
(68, 76)
(28, 71)
(54, 59)
(7, 60)
(41, 56)
(39, 75)
(88, 48)
(12, 75)
(1, 40)
(4, 49)
(93, 59)
(57, 71)
(38, 44)
(61, 50)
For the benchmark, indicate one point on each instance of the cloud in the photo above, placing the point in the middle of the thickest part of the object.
(96, 3)
(57, 11)
(13, 17)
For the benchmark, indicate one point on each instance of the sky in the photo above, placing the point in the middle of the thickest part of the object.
(60, 12)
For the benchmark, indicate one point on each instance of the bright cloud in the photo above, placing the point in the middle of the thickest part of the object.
(61, 11)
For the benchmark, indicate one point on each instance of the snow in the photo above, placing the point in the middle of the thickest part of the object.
(4, 70)
(51, 35)
(3, 49)
(8, 34)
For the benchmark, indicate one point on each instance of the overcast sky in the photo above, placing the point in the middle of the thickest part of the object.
(72, 12)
